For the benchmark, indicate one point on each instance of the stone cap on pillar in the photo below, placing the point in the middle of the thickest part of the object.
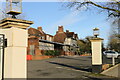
(96, 39)
(11, 22)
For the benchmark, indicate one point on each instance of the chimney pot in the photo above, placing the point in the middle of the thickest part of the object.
(67, 30)
(60, 29)
(40, 28)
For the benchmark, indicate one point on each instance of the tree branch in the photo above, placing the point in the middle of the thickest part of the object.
(97, 5)
(103, 7)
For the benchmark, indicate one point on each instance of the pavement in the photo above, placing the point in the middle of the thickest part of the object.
(113, 71)
(73, 67)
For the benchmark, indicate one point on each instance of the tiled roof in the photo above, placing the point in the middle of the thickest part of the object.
(69, 34)
(61, 35)
(35, 32)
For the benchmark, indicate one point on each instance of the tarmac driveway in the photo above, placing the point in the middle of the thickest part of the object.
(75, 67)
(61, 67)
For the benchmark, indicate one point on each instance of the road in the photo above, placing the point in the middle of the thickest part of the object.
(62, 67)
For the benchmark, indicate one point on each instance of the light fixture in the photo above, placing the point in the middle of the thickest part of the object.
(14, 7)
(96, 32)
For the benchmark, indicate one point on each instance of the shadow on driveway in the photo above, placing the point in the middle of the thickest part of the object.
(72, 58)
(73, 67)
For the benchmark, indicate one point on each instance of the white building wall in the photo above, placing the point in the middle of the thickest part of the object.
(46, 46)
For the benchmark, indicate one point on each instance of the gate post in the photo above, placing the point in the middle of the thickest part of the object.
(15, 53)
(96, 44)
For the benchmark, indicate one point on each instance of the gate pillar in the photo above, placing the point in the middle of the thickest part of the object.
(96, 44)
(15, 63)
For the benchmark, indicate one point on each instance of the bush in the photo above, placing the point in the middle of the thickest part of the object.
(52, 53)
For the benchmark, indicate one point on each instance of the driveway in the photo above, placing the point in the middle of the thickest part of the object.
(62, 67)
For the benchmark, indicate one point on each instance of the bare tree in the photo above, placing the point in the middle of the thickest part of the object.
(110, 7)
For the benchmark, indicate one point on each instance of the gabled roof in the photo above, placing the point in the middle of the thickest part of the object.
(69, 34)
(61, 35)
(34, 31)
(50, 35)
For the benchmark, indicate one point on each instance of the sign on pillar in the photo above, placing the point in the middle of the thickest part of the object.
(96, 44)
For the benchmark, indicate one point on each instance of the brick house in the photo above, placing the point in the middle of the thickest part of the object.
(39, 41)
(69, 39)
(35, 47)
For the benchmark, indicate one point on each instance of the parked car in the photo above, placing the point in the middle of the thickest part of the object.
(110, 54)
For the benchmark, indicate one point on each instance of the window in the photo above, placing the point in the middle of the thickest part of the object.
(32, 49)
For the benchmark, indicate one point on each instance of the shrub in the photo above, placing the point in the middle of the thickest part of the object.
(52, 53)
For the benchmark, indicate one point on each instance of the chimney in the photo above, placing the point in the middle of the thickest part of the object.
(76, 35)
(40, 28)
(60, 29)
(67, 31)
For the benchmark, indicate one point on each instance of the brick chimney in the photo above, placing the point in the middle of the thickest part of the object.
(60, 29)
(67, 31)
(40, 28)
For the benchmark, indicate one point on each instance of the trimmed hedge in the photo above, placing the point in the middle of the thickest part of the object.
(52, 53)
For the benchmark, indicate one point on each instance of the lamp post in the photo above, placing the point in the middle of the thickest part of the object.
(96, 32)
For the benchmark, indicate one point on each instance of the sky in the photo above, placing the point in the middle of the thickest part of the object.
(50, 15)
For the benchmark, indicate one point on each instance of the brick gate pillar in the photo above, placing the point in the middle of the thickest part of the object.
(15, 63)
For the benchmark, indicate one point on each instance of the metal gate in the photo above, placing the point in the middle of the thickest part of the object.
(2, 46)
